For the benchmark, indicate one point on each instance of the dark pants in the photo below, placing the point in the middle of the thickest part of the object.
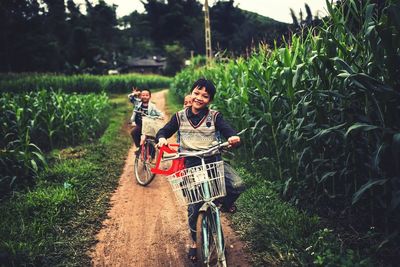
(136, 133)
(234, 187)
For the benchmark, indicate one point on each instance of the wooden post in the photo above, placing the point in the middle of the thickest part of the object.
(207, 32)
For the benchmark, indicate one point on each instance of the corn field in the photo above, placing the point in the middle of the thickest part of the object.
(323, 113)
(80, 83)
(40, 121)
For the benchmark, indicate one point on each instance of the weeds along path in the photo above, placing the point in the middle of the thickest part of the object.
(145, 226)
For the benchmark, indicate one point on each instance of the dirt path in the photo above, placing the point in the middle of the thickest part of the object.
(145, 226)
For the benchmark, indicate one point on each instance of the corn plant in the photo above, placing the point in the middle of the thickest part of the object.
(323, 112)
(40, 121)
(80, 83)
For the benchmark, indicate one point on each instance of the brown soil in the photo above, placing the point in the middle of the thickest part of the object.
(145, 226)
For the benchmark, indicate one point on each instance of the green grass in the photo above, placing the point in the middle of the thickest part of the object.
(41, 121)
(281, 235)
(54, 223)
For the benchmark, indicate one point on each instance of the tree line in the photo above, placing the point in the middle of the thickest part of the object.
(58, 36)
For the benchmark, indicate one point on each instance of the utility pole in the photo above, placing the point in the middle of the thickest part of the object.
(207, 32)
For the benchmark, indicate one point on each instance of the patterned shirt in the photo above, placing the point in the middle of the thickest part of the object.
(138, 118)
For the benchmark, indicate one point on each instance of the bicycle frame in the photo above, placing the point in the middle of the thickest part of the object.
(207, 229)
(143, 163)
(145, 153)
(215, 214)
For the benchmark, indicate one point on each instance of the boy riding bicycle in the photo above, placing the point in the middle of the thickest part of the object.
(146, 107)
(199, 128)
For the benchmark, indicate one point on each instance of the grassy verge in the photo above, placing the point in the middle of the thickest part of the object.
(55, 223)
(281, 235)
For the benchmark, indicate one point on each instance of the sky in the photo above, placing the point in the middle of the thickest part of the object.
(276, 9)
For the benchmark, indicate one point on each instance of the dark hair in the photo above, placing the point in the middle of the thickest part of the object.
(148, 90)
(207, 84)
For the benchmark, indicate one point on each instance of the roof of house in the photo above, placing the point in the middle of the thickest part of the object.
(144, 62)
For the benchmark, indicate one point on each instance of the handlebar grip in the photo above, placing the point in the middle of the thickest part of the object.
(224, 144)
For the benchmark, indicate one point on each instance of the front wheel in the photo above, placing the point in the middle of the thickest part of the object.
(210, 244)
(144, 161)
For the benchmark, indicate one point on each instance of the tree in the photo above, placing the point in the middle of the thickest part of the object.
(175, 54)
(164, 16)
(225, 22)
(309, 17)
(104, 36)
(296, 23)
(55, 36)
(20, 23)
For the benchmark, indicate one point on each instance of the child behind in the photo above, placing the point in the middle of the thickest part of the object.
(187, 101)
(146, 107)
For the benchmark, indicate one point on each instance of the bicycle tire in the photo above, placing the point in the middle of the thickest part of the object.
(142, 166)
(206, 229)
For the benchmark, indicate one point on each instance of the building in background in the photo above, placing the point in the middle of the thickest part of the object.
(146, 64)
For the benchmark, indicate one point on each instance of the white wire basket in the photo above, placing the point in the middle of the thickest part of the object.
(199, 183)
(150, 126)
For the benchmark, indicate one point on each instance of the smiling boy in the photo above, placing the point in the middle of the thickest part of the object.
(199, 128)
(146, 107)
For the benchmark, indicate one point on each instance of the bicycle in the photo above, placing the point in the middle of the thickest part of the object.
(202, 183)
(147, 152)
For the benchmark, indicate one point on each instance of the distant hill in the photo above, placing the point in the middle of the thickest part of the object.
(267, 28)
(261, 18)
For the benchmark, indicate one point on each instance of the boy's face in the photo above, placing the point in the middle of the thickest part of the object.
(200, 98)
(187, 102)
(145, 96)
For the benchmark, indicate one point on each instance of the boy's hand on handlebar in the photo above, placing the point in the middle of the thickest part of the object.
(162, 142)
(234, 140)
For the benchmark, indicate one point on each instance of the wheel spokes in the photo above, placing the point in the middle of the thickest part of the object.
(212, 241)
(143, 164)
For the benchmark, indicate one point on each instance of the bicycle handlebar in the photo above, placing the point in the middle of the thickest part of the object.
(196, 153)
(200, 153)
(177, 158)
(146, 115)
